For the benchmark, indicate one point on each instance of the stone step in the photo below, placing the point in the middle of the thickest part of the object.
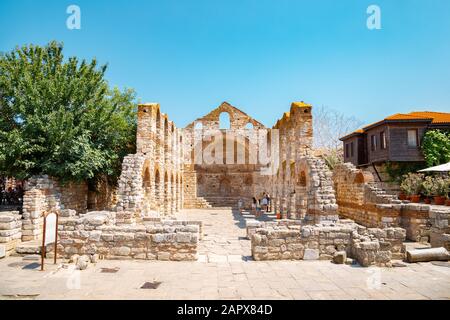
(29, 247)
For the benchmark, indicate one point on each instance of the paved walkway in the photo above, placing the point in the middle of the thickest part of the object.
(223, 274)
(224, 234)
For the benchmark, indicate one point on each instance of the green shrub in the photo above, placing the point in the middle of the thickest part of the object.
(428, 186)
(412, 183)
(436, 147)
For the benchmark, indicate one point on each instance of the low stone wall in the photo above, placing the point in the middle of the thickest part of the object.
(440, 230)
(361, 199)
(289, 240)
(10, 232)
(96, 233)
(415, 218)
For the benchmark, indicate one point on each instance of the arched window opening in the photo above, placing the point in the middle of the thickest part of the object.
(198, 126)
(224, 121)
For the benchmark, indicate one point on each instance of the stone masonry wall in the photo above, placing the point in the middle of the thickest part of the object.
(440, 230)
(361, 199)
(301, 186)
(285, 240)
(96, 233)
(45, 194)
(10, 232)
(151, 180)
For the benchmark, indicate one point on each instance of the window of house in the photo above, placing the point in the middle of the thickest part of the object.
(373, 142)
(347, 154)
(351, 149)
(382, 140)
(413, 140)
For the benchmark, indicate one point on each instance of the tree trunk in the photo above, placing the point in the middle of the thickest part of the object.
(425, 255)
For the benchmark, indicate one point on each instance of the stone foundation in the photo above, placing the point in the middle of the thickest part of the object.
(361, 199)
(96, 233)
(285, 240)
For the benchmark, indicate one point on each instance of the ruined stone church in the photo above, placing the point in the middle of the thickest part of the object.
(208, 165)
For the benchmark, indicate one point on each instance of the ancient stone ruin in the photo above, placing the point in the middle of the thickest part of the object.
(209, 164)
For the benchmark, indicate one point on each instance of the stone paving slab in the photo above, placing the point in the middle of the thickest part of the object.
(223, 271)
(200, 280)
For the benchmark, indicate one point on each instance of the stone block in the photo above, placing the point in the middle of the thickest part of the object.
(311, 254)
(163, 256)
(121, 251)
(340, 257)
(183, 237)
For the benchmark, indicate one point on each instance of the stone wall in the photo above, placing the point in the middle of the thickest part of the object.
(361, 199)
(97, 233)
(301, 185)
(45, 194)
(223, 160)
(440, 230)
(287, 240)
(151, 180)
(10, 232)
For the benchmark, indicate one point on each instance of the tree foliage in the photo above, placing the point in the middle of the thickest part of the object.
(436, 147)
(59, 117)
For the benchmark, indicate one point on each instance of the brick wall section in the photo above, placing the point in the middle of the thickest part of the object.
(45, 194)
(285, 241)
(96, 233)
(10, 231)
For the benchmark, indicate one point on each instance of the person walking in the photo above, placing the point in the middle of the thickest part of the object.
(240, 205)
(264, 203)
(254, 204)
(269, 204)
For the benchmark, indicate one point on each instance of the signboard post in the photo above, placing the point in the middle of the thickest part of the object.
(49, 235)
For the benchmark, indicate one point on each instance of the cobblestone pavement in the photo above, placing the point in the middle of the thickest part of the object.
(223, 272)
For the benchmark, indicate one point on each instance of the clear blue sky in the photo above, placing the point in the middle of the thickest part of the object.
(258, 55)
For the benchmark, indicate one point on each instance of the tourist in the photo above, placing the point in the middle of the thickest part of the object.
(254, 203)
(269, 204)
(240, 205)
(264, 203)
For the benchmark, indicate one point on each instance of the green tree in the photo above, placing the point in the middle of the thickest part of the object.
(59, 117)
(436, 147)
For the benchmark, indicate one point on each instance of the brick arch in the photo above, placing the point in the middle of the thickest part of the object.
(157, 176)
